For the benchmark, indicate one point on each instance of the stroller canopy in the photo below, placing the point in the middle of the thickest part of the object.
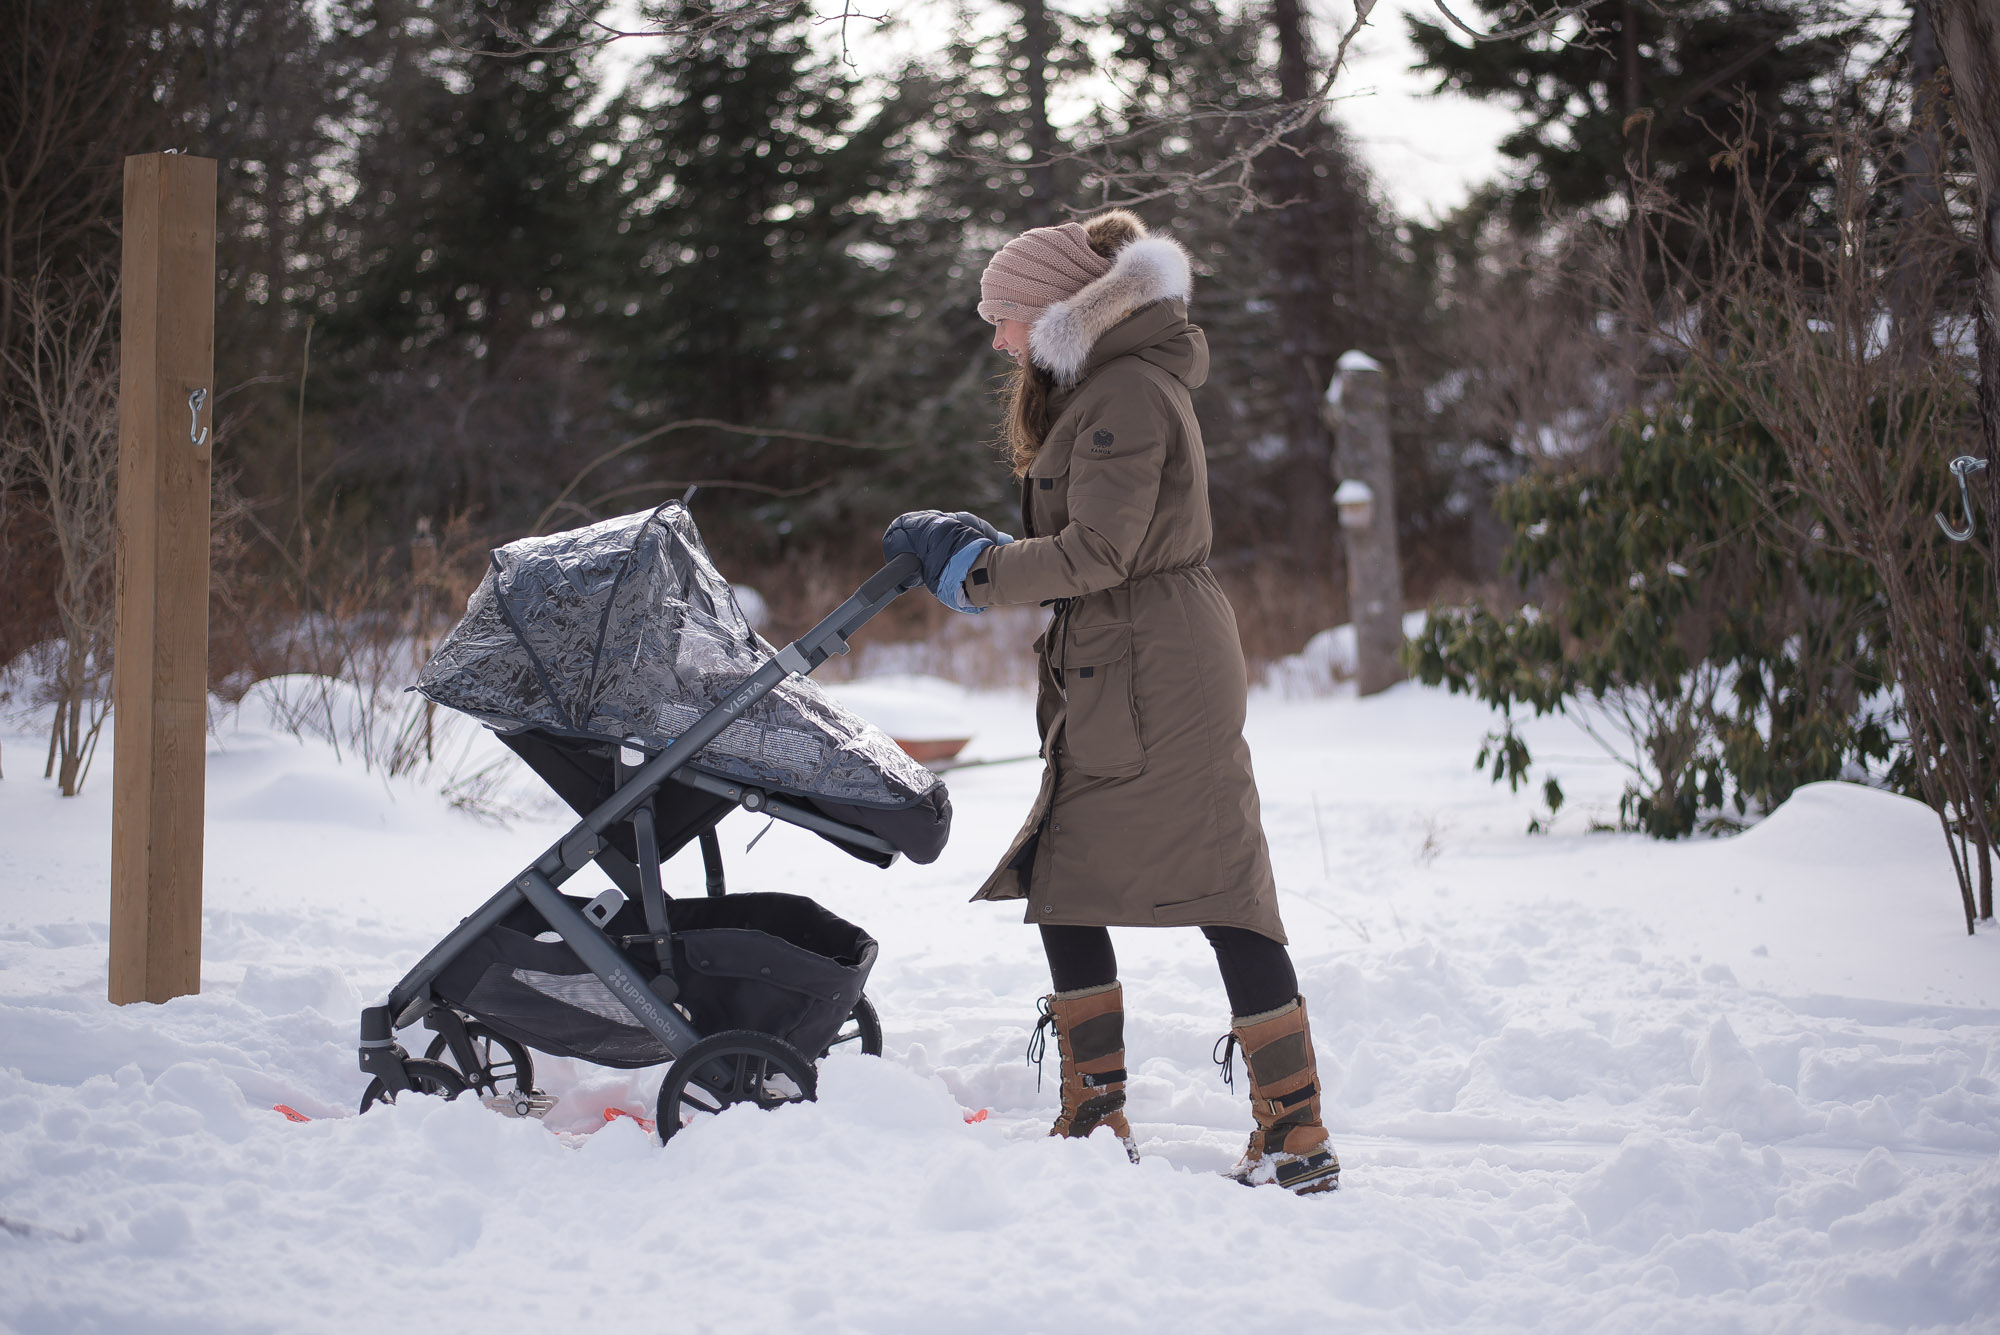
(626, 629)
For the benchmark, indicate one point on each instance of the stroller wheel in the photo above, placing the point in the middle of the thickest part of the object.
(426, 1077)
(734, 1066)
(861, 1033)
(504, 1065)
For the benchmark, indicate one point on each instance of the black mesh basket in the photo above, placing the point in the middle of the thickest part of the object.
(779, 964)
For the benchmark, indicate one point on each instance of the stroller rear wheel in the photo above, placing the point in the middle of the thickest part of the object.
(426, 1077)
(734, 1066)
(504, 1065)
(861, 1033)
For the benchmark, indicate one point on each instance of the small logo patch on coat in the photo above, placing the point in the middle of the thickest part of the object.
(1101, 442)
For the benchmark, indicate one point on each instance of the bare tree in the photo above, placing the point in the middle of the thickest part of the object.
(1968, 33)
(1790, 323)
(62, 442)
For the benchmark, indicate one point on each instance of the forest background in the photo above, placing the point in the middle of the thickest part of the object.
(487, 269)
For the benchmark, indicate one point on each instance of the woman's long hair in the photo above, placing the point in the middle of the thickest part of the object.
(1031, 389)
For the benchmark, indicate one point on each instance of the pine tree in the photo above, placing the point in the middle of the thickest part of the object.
(1656, 87)
(752, 282)
(443, 311)
(1290, 284)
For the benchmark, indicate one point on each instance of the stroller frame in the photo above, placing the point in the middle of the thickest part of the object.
(539, 883)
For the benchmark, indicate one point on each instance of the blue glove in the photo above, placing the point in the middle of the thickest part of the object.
(947, 545)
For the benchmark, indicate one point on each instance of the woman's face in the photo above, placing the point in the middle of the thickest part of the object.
(1011, 337)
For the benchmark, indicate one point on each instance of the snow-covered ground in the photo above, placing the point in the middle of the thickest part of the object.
(1579, 1082)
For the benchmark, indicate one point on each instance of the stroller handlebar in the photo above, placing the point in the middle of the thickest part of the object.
(830, 636)
(902, 574)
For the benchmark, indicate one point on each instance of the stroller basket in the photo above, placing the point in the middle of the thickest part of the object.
(776, 963)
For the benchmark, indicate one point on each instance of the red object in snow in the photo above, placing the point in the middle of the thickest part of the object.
(979, 1116)
(291, 1114)
(613, 1114)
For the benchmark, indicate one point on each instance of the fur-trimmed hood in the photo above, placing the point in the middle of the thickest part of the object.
(1150, 269)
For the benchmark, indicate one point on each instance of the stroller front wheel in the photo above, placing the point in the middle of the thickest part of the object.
(504, 1066)
(734, 1066)
(426, 1077)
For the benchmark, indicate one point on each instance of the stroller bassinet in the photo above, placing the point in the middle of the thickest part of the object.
(615, 661)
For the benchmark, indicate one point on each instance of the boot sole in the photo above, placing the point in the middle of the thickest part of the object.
(1314, 1173)
(1302, 1176)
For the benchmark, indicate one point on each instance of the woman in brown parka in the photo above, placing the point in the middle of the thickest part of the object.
(1148, 811)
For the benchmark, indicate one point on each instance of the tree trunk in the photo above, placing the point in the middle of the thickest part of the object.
(1036, 43)
(1913, 285)
(1305, 306)
(1968, 34)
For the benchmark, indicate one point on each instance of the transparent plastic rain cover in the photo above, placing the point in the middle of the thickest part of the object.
(626, 629)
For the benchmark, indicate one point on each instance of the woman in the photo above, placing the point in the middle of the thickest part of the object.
(1148, 812)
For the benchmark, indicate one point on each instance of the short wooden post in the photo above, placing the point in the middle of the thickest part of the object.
(1358, 412)
(166, 398)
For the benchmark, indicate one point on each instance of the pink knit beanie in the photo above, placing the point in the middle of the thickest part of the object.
(1036, 270)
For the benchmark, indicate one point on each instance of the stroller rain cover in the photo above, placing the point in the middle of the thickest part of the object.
(626, 629)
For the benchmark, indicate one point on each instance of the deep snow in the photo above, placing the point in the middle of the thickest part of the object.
(1579, 1082)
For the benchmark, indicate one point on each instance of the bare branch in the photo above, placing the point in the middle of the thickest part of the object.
(1544, 23)
(693, 26)
(1268, 128)
(688, 424)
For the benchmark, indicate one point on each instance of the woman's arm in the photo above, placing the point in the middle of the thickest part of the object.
(1114, 483)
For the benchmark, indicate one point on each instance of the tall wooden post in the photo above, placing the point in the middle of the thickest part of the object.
(160, 674)
(1357, 407)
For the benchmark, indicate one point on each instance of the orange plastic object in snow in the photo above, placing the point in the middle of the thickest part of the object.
(613, 1114)
(979, 1116)
(291, 1114)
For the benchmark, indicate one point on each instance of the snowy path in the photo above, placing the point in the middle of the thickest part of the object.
(1579, 1082)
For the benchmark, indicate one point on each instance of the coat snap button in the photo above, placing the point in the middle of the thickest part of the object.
(1048, 908)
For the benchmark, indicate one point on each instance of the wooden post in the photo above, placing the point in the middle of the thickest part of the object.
(1357, 406)
(160, 673)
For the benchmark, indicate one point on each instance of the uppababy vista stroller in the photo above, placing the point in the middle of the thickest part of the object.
(616, 662)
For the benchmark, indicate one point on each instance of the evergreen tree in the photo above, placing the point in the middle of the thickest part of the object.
(1654, 85)
(443, 313)
(760, 284)
(1289, 284)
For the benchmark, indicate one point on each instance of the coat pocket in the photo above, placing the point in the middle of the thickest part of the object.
(1222, 906)
(1101, 725)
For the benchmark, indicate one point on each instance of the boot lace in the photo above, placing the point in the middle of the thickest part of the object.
(1038, 1041)
(1226, 1047)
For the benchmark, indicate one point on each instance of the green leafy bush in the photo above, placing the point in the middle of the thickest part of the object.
(1687, 614)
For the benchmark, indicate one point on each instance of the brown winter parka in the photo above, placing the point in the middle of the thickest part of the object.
(1148, 812)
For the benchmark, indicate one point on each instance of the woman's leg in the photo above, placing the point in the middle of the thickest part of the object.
(1289, 1145)
(1087, 1011)
(1079, 957)
(1256, 971)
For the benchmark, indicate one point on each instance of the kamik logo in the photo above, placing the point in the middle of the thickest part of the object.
(1101, 442)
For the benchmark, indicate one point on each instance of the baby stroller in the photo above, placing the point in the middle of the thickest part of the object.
(615, 661)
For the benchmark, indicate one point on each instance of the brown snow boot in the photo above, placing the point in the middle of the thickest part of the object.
(1090, 1037)
(1289, 1146)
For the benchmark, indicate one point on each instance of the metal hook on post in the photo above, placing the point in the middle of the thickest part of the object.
(1961, 468)
(197, 433)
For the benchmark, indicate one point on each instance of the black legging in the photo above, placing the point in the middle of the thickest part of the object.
(1256, 971)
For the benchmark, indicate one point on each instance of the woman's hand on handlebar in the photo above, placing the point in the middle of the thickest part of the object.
(946, 544)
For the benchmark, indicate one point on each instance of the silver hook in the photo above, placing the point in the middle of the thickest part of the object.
(1962, 467)
(197, 433)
